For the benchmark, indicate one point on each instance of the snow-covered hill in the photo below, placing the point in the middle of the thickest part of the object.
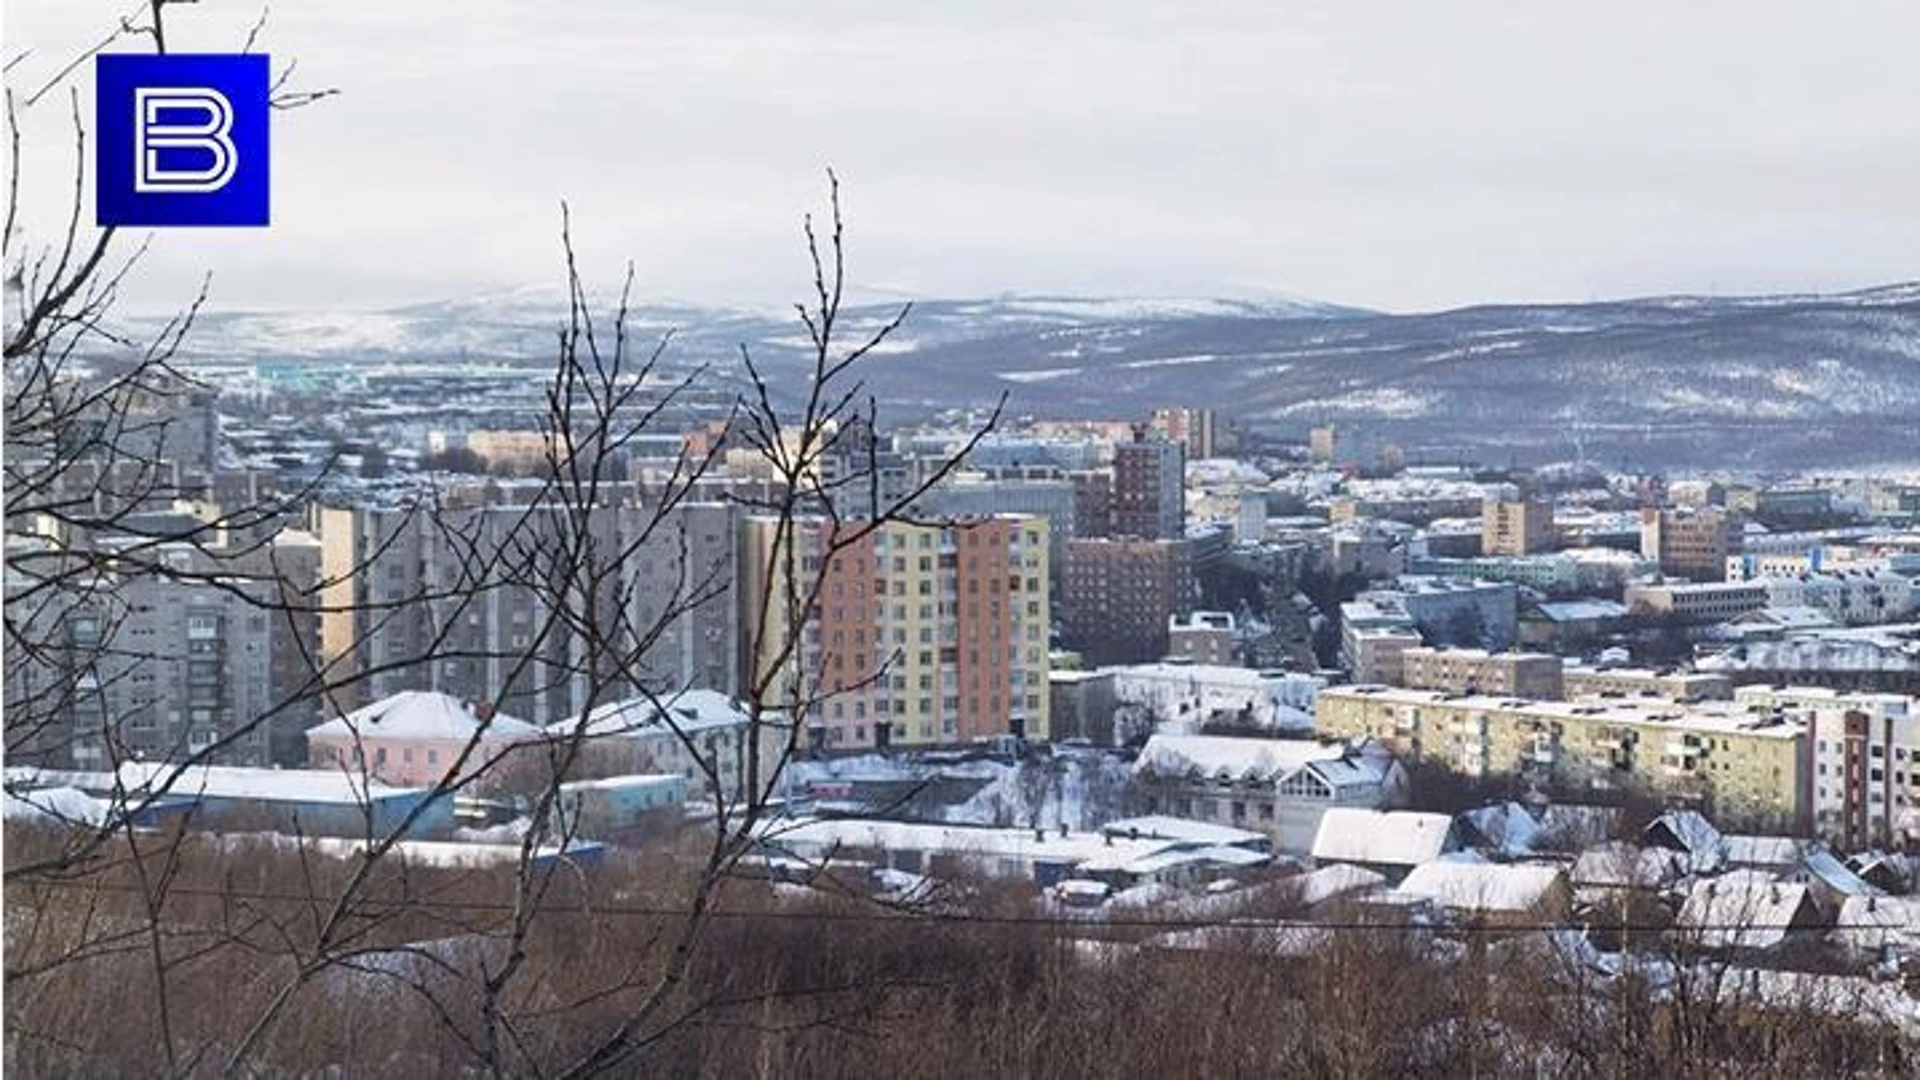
(1760, 382)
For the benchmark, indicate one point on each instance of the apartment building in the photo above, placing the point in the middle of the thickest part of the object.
(1592, 682)
(1747, 768)
(213, 646)
(1193, 429)
(1149, 488)
(1690, 542)
(1529, 675)
(1520, 527)
(915, 634)
(1121, 595)
(463, 601)
(1866, 763)
(680, 580)
(1045, 493)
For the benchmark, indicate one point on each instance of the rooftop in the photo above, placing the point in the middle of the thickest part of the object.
(425, 714)
(1722, 717)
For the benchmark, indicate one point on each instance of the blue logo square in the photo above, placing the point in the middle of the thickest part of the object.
(182, 139)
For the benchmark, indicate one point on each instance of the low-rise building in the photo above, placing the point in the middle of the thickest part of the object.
(702, 735)
(1600, 682)
(1204, 637)
(1081, 705)
(1280, 787)
(1696, 602)
(1188, 695)
(1518, 674)
(418, 737)
(1388, 842)
(1750, 768)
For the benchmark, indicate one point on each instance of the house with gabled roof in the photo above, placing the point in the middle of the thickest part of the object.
(1279, 787)
(1388, 842)
(417, 737)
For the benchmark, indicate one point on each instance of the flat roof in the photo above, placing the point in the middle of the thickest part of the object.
(1732, 718)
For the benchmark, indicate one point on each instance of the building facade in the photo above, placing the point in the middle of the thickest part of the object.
(1120, 596)
(1746, 768)
(1520, 527)
(1470, 671)
(1149, 488)
(913, 634)
(1692, 543)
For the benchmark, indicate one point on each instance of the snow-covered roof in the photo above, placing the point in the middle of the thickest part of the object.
(632, 782)
(1826, 868)
(822, 835)
(1391, 838)
(289, 785)
(1270, 939)
(1624, 866)
(1571, 826)
(440, 854)
(1472, 886)
(1332, 882)
(425, 715)
(1163, 827)
(689, 710)
(1773, 851)
(1702, 846)
(1877, 922)
(1171, 856)
(1508, 828)
(1746, 909)
(1581, 610)
(1228, 757)
(63, 805)
(1786, 617)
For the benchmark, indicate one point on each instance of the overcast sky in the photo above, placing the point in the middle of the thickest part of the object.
(1402, 155)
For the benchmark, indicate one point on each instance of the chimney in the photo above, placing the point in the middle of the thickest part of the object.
(1063, 830)
(1039, 834)
(483, 711)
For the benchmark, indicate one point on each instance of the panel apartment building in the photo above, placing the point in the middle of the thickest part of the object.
(1748, 769)
(917, 634)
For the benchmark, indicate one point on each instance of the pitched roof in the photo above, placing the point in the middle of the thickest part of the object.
(1392, 838)
(424, 714)
(1876, 922)
(1748, 850)
(1333, 882)
(1230, 757)
(689, 710)
(1745, 909)
(1621, 865)
(1479, 886)
(1698, 840)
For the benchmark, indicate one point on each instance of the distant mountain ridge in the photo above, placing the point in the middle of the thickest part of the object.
(1764, 382)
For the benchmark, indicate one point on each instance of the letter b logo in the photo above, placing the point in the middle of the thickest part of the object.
(182, 140)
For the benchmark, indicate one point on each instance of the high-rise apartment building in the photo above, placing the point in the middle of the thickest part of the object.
(209, 648)
(902, 634)
(1149, 488)
(1192, 428)
(469, 601)
(1121, 595)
